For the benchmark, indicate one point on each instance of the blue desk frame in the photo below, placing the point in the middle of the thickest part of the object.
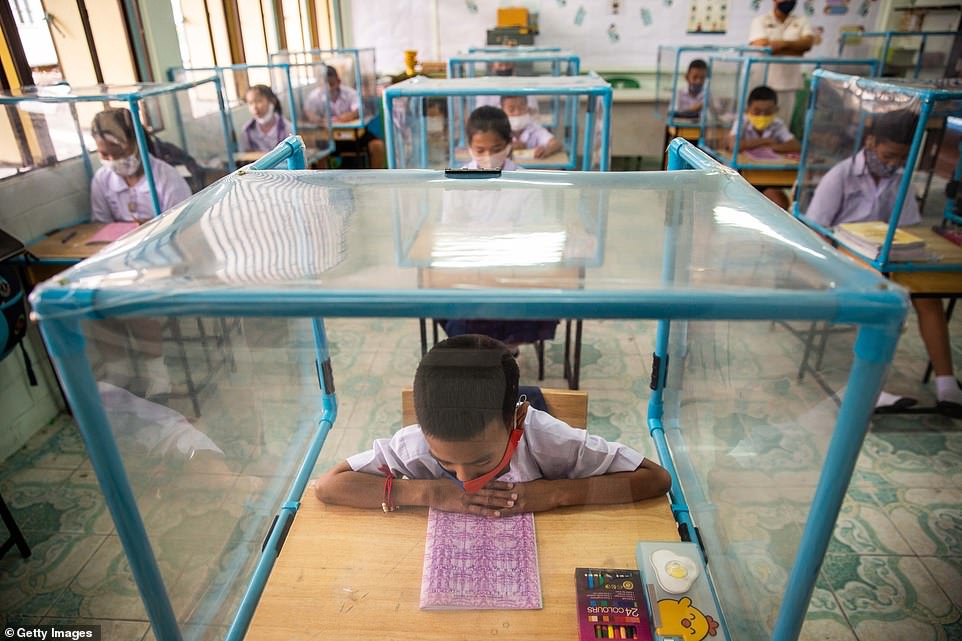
(878, 310)
(928, 98)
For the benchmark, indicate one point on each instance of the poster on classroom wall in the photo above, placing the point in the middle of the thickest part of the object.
(708, 16)
(609, 35)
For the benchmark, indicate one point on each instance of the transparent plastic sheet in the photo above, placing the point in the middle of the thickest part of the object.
(513, 63)
(921, 56)
(55, 128)
(429, 118)
(355, 68)
(843, 120)
(721, 105)
(211, 416)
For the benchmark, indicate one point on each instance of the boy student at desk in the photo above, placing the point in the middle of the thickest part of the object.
(689, 100)
(526, 133)
(345, 108)
(863, 188)
(762, 128)
(119, 190)
(478, 449)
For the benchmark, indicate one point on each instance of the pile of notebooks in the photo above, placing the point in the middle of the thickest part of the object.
(868, 238)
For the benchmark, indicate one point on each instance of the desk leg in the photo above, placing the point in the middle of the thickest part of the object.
(576, 367)
(16, 536)
(422, 326)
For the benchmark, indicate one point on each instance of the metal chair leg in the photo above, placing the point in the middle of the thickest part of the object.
(16, 536)
(576, 367)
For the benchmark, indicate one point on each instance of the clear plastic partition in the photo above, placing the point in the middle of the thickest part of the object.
(513, 63)
(673, 98)
(916, 55)
(202, 365)
(789, 78)
(860, 128)
(566, 121)
(301, 93)
(181, 123)
(354, 70)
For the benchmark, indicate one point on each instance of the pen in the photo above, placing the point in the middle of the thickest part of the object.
(63, 241)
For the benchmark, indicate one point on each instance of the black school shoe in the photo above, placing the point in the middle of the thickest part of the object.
(899, 406)
(949, 409)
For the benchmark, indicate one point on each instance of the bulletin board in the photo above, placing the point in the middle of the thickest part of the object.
(608, 34)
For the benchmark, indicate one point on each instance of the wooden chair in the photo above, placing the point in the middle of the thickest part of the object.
(570, 406)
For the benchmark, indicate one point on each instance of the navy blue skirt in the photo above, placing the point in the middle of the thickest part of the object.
(512, 332)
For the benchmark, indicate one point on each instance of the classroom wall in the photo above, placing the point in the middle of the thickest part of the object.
(606, 41)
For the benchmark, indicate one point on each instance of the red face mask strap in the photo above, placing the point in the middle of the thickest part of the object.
(474, 485)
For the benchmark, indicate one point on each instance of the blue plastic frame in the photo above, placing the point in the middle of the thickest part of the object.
(495, 48)
(670, 119)
(286, 67)
(364, 118)
(745, 76)
(848, 37)
(133, 99)
(861, 298)
(927, 98)
(410, 89)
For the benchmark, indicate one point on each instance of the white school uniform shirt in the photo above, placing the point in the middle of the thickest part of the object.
(777, 131)
(684, 101)
(509, 165)
(848, 193)
(253, 139)
(111, 199)
(767, 27)
(549, 449)
(347, 100)
(533, 135)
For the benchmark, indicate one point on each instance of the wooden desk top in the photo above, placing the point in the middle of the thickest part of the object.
(345, 573)
(932, 283)
(76, 248)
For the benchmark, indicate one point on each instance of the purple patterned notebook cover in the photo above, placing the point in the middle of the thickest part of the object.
(480, 563)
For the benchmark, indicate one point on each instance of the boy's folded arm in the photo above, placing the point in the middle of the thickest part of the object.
(788, 146)
(341, 485)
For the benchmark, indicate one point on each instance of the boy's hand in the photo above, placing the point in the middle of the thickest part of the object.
(539, 152)
(492, 500)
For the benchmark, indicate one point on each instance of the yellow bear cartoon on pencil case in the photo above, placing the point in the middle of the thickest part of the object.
(682, 619)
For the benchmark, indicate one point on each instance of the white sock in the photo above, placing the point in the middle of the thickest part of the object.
(885, 399)
(947, 389)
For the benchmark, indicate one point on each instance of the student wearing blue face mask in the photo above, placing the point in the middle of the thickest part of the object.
(689, 100)
(785, 35)
(864, 188)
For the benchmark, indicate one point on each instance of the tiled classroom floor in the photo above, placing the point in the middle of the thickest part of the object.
(894, 570)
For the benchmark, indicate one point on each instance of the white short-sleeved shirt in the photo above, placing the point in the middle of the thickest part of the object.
(509, 165)
(533, 135)
(848, 193)
(347, 100)
(112, 200)
(253, 139)
(767, 27)
(684, 101)
(550, 449)
(777, 131)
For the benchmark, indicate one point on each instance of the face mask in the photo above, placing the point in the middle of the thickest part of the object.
(493, 161)
(786, 6)
(519, 122)
(760, 123)
(125, 167)
(877, 167)
(694, 89)
(267, 117)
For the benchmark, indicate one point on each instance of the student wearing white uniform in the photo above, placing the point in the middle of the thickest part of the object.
(119, 193)
(689, 100)
(119, 190)
(345, 108)
(785, 35)
(864, 188)
(476, 449)
(525, 132)
(267, 126)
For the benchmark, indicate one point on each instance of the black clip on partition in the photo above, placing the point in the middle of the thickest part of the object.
(472, 173)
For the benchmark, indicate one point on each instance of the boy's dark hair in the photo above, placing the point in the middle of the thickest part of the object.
(489, 118)
(463, 384)
(332, 72)
(894, 126)
(266, 92)
(698, 63)
(761, 92)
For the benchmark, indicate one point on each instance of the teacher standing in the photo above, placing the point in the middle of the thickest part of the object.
(785, 35)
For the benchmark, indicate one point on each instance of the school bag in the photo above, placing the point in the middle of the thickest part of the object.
(13, 302)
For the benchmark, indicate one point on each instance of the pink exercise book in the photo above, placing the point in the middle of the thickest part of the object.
(480, 563)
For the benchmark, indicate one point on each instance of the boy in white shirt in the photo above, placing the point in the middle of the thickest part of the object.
(526, 133)
(477, 449)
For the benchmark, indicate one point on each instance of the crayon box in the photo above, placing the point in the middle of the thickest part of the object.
(611, 605)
